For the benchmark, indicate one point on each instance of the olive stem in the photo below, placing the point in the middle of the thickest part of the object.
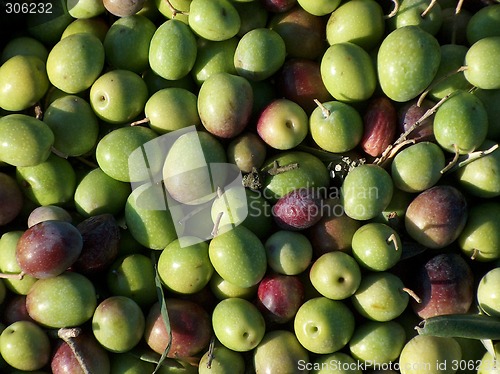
(140, 122)
(58, 152)
(220, 191)
(394, 10)
(67, 335)
(215, 229)
(429, 8)
(474, 254)
(174, 10)
(452, 162)
(211, 355)
(277, 169)
(87, 162)
(324, 110)
(412, 294)
(393, 239)
(18, 276)
(440, 80)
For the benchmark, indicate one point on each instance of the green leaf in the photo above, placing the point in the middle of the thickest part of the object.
(164, 313)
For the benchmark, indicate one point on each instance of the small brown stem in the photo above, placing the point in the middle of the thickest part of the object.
(87, 162)
(211, 356)
(459, 6)
(475, 251)
(393, 239)
(67, 335)
(174, 10)
(58, 153)
(18, 276)
(429, 8)
(277, 169)
(324, 110)
(452, 162)
(394, 10)
(140, 122)
(412, 294)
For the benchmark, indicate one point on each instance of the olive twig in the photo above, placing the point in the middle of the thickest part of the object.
(395, 149)
(402, 138)
(394, 10)
(470, 157)
(426, 115)
(440, 80)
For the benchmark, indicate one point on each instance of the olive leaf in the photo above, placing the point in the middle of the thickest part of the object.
(164, 314)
